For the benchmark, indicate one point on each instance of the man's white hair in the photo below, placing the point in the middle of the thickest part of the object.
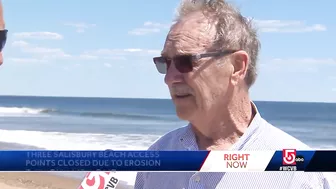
(233, 31)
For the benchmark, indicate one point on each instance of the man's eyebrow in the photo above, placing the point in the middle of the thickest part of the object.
(177, 53)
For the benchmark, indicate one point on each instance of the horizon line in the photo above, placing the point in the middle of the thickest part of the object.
(106, 97)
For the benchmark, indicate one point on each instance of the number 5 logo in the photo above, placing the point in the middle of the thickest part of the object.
(288, 157)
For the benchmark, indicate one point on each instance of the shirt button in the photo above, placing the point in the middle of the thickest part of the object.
(197, 178)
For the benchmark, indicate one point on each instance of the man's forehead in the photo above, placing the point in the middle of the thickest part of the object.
(187, 36)
(179, 47)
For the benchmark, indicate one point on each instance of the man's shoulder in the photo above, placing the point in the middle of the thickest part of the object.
(276, 138)
(169, 141)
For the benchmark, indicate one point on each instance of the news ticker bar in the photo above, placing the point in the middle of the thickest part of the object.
(203, 161)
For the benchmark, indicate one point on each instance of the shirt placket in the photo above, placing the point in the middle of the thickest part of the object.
(195, 181)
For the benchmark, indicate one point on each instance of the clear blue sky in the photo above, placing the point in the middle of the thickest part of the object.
(104, 48)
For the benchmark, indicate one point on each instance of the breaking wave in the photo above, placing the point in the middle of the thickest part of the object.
(25, 111)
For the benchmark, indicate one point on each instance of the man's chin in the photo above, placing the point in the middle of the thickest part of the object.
(185, 113)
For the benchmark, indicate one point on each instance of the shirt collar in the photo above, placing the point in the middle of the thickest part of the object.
(188, 139)
(252, 129)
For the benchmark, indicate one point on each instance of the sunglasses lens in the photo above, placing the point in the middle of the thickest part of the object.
(161, 64)
(2, 44)
(183, 64)
(3, 38)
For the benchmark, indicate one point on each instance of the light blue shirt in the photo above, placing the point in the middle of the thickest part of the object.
(260, 135)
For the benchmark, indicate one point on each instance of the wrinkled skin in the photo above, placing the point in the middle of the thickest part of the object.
(215, 90)
(189, 36)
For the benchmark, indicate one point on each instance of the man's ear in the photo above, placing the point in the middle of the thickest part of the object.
(240, 62)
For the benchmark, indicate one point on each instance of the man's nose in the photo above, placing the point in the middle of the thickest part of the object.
(173, 75)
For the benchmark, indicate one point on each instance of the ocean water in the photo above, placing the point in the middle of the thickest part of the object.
(64, 123)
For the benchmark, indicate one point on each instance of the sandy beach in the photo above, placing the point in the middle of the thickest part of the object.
(45, 180)
(25, 180)
(33, 180)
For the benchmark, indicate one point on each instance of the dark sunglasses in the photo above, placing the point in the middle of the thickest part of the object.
(3, 38)
(184, 63)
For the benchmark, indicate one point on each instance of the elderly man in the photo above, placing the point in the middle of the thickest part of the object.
(209, 61)
(3, 32)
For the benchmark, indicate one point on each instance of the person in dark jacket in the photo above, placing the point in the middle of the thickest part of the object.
(3, 32)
